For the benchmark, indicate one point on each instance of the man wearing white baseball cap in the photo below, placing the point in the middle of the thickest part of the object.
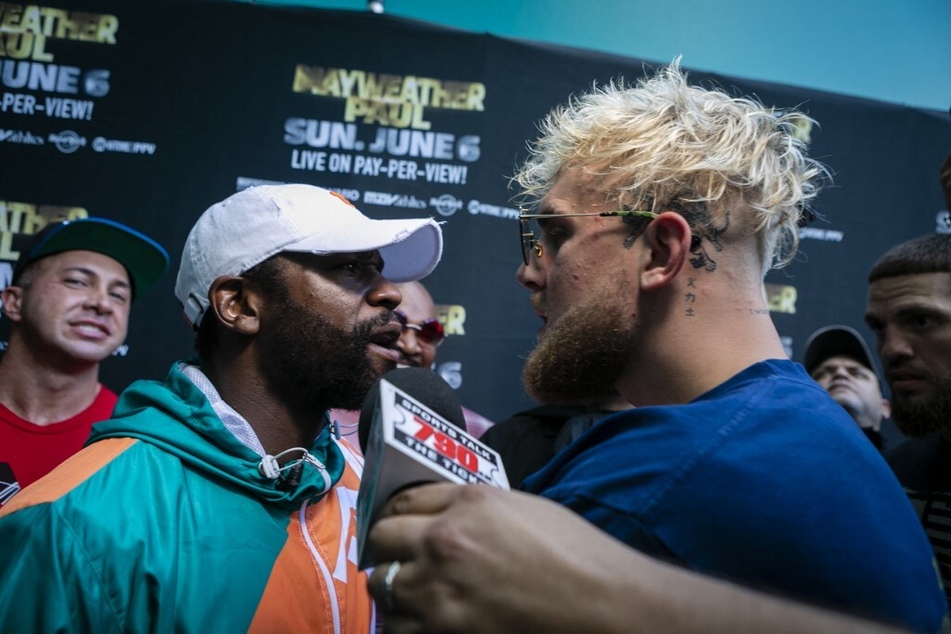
(218, 499)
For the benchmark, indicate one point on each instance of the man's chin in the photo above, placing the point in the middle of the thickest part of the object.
(90, 351)
(919, 417)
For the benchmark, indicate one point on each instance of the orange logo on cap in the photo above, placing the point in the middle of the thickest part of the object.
(340, 196)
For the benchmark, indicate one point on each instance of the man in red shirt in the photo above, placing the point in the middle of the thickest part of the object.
(68, 305)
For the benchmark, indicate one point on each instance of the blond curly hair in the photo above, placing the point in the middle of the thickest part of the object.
(666, 145)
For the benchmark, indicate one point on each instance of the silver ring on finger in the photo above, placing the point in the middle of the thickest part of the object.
(388, 601)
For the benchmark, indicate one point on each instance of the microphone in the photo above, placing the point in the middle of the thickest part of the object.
(437, 394)
(412, 431)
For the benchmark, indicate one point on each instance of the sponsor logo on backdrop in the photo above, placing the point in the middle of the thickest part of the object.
(943, 222)
(384, 199)
(825, 235)
(446, 205)
(479, 208)
(781, 298)
(67, 141)
(26, 66)
(24, 137)
(102, 144)
(384, 131)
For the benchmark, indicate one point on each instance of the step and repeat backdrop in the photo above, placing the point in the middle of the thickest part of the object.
(148, 113)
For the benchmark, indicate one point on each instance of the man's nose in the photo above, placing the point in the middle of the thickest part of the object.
(99, 300)
(895, 346)
(408, 342)
(531, 275)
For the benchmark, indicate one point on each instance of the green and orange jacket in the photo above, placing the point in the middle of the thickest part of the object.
(164, 523)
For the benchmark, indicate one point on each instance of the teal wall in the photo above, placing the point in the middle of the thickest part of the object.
(897, 51)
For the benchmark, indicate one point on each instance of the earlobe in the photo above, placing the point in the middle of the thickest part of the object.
(12, 297)
(235, 304)
(668, 238)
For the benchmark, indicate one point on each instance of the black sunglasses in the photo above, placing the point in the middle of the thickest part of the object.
(430, 331)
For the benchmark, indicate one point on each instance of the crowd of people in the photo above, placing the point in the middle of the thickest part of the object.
(679, 468)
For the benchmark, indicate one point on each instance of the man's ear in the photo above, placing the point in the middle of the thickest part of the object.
(12, 298)
(668, 238)
(236, 304)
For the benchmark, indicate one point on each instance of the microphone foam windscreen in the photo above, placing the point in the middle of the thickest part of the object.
(425, 386)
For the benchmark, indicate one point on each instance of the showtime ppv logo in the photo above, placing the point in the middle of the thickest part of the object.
(476, 207)
(102, 144)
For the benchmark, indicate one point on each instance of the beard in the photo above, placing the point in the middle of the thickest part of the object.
(582, 354)
(924, 418)
(319, 366)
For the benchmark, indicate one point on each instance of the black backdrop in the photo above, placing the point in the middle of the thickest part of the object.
(149, 112)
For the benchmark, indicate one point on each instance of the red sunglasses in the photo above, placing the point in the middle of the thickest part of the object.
(430, 331)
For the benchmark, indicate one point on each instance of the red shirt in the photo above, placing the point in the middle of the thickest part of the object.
(31, 451)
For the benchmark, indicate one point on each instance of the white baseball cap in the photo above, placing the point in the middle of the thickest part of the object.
(252, 225)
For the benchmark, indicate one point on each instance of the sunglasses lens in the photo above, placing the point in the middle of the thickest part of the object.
(526, 237)
(529, 238)
(431, 331)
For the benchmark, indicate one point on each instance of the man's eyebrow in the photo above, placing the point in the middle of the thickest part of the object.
(923, 305)
(91, 273)
(78, 268)
(373, 257)
(919, 308)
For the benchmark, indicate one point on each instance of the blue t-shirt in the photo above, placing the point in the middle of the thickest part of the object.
(765, 481)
